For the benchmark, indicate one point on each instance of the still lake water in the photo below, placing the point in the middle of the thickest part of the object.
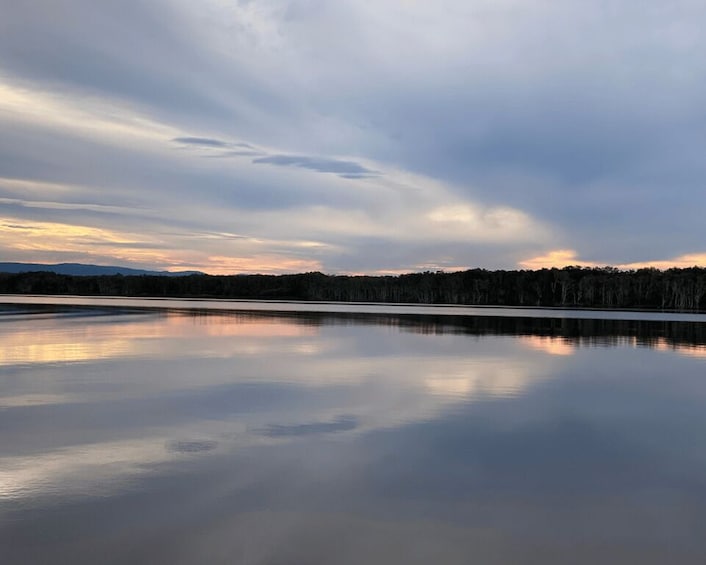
(175, 436)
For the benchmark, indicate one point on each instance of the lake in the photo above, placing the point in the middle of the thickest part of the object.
(180, 432)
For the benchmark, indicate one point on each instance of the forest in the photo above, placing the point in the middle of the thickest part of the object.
(575, 287)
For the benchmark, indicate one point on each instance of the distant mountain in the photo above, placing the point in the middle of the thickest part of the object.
(86, 270)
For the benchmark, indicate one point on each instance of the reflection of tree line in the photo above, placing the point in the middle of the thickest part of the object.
(572, 331)
(673, 289)
(580, 332)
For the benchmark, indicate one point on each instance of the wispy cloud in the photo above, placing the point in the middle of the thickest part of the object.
(210, 142)
(200, 141)
(344, 169)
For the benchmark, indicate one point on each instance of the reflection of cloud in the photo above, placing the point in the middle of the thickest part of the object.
(549, 344)
(340, 424)
(36, 399)
(53, 340)
(698, 351)
(224, 382)
(28, 347)
(486, 380)
(241, 326)
(90, 469)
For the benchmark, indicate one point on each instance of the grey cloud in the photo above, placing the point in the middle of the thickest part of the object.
(90, 48)
(215, 143)
(128, 176)
(598, 132)
(191, 446)
(344, 169)
(538, 124)
(353, 176)
(225, 154)
(200, 141)
(380, 255)
(219, 148)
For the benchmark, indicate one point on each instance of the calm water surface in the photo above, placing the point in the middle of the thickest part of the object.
(178, 437)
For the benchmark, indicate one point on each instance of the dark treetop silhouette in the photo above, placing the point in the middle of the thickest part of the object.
(673, 289)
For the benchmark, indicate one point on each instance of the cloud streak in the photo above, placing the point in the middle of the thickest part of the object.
(200, 141)
(344, 169)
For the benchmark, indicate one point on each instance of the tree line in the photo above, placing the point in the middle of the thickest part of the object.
(582, 287)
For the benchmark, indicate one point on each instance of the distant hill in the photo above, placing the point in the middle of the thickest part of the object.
(78, 269)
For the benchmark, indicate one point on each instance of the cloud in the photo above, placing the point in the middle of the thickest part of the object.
(344, 169)
(191, 446)
(463, 124)
(556, 258)
(200, 141)
(568, 257)
(680, 262)
(211, 143)
(220, 148)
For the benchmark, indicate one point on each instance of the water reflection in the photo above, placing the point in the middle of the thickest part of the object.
(550, 344)
(185, 437)
(64, 338)
(237, 380)
(688, 349)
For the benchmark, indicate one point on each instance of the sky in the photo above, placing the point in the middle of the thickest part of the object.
(274, 136)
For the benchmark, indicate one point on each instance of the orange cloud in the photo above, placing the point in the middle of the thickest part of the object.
(49, 241)
(683, 261)
(565, 257)
(555, 258)
(262, 264)
(98, 245)
(28, 235)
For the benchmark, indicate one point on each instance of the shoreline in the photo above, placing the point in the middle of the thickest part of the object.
(312, 306)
